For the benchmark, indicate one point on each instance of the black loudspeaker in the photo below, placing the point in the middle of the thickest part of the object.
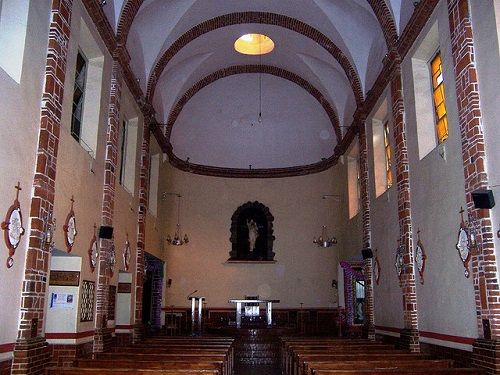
(483, 199)
(367, 253)
(105, 232)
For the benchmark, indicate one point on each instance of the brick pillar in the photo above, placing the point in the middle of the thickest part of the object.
(102, 334)
(141, 229)
(409, 336)
(30, 350)
(367, 234)
(483, 260)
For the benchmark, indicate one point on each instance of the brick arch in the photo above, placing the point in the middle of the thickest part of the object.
(127, 16)
(262, 18)
(386, 21)
(242, 69)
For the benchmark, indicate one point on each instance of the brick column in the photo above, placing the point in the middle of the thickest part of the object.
(103, 334)
(367, 233)
(409, 335)
(141, 228)
(30, 350)
(483, 260)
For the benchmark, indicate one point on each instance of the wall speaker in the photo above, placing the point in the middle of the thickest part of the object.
(105, 232)
(367, 253)
(483, 199)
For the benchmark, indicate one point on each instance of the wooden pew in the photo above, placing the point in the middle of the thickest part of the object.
(169, 357)
(170, 365)
(311, 367)
(416, 371)
(160, 344)
(337, 349)
(298, 368)
(116, 371)
(288, 343)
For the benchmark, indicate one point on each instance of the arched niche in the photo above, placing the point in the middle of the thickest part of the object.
(263, 250)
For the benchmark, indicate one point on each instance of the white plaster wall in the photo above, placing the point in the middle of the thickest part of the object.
(303, 272)
(80, 174)
(63, 319)
(437, 191)
(124, 301)
(19, 122)
(385, 234)
(486, 26)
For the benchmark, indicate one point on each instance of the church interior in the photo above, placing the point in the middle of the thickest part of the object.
(236, 187)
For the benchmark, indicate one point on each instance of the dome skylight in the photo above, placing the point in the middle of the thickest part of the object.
(254, 44)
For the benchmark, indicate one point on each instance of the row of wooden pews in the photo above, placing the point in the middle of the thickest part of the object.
(339, 356)
(159, 356)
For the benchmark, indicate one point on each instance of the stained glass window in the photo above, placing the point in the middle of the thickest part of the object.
(439, 99)
(388, 156)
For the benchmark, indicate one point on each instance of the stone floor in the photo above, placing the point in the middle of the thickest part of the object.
(257, 370)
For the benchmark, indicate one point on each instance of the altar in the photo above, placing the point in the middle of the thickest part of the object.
(240, 303)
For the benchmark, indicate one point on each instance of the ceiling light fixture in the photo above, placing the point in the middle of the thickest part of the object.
(324, 240)
(178, 239)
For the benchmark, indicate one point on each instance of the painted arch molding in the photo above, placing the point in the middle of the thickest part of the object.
(335, 47)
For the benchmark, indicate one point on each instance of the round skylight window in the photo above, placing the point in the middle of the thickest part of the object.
(254, 44)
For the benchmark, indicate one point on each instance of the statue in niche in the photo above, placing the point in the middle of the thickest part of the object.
(253, 233)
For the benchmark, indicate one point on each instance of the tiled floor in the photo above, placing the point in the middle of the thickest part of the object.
(257, 370)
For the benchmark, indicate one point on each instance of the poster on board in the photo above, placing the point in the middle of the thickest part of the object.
(62, 301)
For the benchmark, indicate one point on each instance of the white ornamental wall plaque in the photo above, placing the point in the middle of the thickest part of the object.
(420, 258)
(13, 227)
(93, 251)
(463, 244)
(126, 255)
(112, 259)
(399, 262)
(69, 228)
(376, 268)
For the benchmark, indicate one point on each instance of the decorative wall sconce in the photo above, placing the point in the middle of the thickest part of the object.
(178, 239)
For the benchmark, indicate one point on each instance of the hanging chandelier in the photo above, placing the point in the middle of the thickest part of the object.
(324, 240)
(178, 239)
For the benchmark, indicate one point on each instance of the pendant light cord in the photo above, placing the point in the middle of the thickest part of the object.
(178, 210)
(260, 80)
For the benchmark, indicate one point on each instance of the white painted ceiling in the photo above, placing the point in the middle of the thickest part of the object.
(218, 126)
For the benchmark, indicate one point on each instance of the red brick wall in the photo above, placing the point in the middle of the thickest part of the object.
(5, 367)
(484, 268)
(110, 166)
(141, 228)
(407, 278)
(30, 352)
(64, 355)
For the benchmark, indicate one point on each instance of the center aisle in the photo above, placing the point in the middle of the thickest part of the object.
(257, 370)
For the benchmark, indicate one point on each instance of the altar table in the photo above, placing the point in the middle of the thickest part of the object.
(241, 302)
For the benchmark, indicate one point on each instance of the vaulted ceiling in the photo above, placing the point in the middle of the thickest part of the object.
(327, 56)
